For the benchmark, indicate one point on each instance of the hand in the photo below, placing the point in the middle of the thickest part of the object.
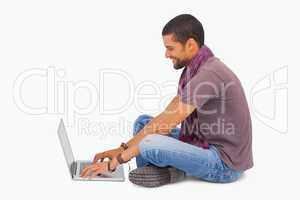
(107, 154)
(98, 168)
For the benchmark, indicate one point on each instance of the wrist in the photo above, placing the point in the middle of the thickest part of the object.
(124, 146)
(114, 163)
(120, 149)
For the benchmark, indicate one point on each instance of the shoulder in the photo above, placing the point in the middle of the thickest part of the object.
(216, 67)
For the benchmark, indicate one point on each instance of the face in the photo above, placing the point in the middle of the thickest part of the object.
(179, 54)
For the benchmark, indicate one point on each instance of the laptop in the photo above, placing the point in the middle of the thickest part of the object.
(76, 166)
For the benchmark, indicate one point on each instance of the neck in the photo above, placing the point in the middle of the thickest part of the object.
(193, 54)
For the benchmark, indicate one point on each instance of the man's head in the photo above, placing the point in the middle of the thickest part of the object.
(182, 37)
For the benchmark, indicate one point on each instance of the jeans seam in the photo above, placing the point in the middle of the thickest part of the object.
(144, 151)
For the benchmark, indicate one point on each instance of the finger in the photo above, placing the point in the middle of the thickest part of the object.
(97, 157)
(86, 170)
(94, 171)
(97, 171)
(83, 172)
(101, 157)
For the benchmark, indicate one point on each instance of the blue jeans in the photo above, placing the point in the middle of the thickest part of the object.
(167, 150)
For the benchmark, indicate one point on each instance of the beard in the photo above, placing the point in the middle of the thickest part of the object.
(179, 63)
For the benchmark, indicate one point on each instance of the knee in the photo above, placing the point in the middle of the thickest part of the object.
(140, 122)
(150, 141)
(151, 149)
(143, 118)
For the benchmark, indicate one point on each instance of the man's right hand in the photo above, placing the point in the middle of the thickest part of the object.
(107, 154)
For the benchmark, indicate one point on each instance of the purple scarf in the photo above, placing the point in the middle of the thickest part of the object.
(189, 71)
(187, 74)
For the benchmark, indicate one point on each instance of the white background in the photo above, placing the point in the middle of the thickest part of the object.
(255, 39)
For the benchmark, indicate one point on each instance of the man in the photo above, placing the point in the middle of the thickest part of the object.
(214, 142)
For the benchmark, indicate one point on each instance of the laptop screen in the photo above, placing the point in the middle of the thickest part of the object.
(65, 143)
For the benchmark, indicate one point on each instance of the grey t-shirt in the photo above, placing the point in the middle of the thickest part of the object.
(222, 116)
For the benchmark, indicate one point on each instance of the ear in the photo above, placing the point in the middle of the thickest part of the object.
(191, 44)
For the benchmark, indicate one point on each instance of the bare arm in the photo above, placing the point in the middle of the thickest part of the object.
(174, 114)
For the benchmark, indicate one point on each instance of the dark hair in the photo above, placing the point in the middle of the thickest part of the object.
(183, 27)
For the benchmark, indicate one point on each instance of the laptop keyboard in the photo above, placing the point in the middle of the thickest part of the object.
(83, 165)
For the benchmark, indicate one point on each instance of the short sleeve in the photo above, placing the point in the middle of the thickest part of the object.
(200, 89)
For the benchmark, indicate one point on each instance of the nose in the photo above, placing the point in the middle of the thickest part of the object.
(167, 55)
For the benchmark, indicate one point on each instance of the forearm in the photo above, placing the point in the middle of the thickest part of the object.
(164, 122)
(161, 124)
(175, 113)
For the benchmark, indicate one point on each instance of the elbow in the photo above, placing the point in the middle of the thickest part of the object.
(165, 124)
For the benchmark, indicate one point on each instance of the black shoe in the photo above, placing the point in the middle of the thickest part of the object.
(153, 176)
